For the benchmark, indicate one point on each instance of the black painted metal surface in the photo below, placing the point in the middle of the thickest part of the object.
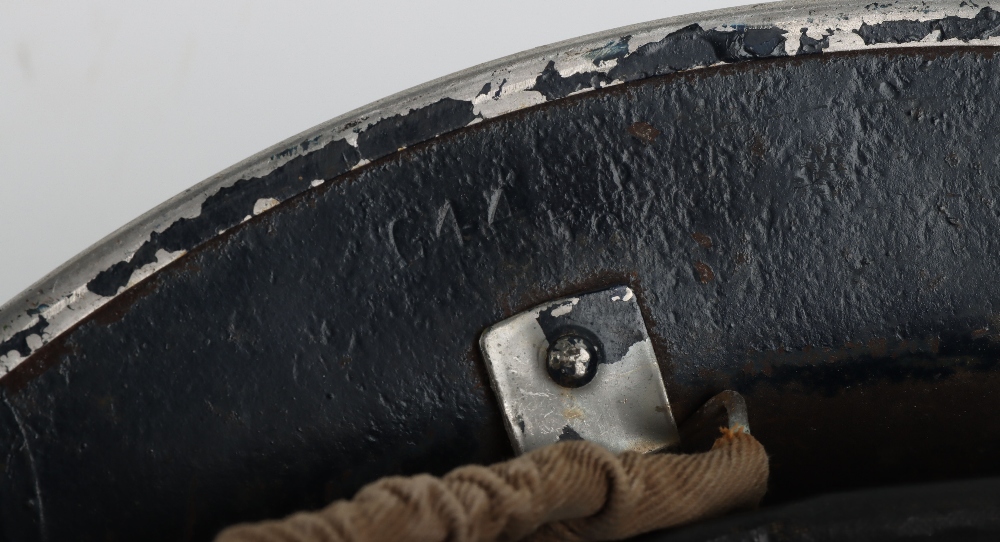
(966, 511)
(618, 323)
(819, 234)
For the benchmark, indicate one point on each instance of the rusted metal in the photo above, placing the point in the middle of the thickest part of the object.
(727, 410)
(622, 405)
(330, 340)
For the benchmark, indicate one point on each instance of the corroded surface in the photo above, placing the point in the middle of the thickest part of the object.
(819, 235)
(691, 42)
(624, 407)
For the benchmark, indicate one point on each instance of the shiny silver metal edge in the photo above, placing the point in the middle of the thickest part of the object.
(624, 408)
(62, 299)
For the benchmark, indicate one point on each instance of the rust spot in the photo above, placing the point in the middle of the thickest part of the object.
(702, 239)
(644, 131)
(878, 347)
(573, 414)
(980, 333)
(741, 258)
(758, 147)
(704, 272)
(107, 405)
(854, 406)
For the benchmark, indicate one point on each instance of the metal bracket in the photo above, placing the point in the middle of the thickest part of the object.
(580, 368)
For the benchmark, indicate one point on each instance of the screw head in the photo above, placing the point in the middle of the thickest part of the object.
(572, 359)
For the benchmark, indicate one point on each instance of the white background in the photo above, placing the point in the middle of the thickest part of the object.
(109, 107)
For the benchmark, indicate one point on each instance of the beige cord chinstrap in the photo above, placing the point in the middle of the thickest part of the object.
(568, 491)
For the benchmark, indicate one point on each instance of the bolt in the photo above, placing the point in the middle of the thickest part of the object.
(572, 360)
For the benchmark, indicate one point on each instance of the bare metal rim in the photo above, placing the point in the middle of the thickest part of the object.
(62, 298)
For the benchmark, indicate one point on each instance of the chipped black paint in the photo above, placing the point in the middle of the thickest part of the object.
(333, 339)
(613, 50)
(554, 86)
(692, 47)
(568, 433)
(227, 208)
(689, 47)
(986, 24)
(611, 326)
(388, 135)
(37, 310)
(496, 95)
(809, 46)
(19, 341)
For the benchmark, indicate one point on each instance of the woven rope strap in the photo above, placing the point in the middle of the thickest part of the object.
(568, 491)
